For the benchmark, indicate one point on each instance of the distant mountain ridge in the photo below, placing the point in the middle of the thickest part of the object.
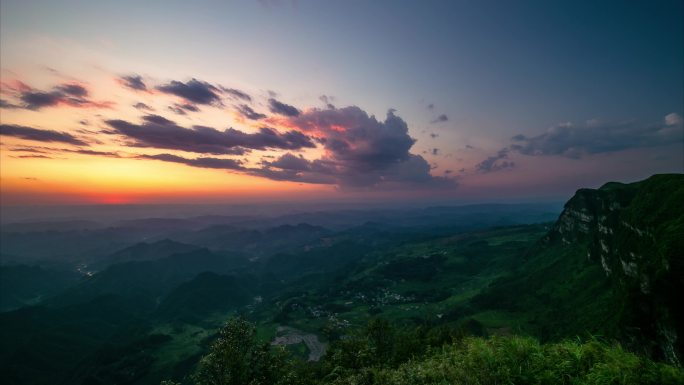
(22, 285)
(609, 266)
(147, 279)
(145, 251)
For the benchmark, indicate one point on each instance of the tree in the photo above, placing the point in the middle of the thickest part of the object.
(381, 340)
(237, 358)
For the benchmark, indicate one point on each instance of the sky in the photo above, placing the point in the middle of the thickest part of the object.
(252, 101)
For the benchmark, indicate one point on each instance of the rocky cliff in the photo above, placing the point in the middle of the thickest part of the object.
(635, 232)
(611, 266)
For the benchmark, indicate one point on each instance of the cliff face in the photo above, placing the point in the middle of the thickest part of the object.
(635, 232)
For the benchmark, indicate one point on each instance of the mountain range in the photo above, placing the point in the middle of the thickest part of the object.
(610, 265)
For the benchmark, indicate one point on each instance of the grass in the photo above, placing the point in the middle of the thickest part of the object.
(494, 319)
(522, 360)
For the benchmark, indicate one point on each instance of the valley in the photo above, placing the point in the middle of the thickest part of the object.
(149, 311)
(302, 192)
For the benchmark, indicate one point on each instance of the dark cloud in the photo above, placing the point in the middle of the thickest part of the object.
(496, 162)
(236, 166)
(35, 100)
(51, 150)
(433, 135)
(142, 106)
(278, 174)
(327, 100)
(76, 90)
(177, 110)
(203, 162)
(194, 91)
(7, 105)
(92, 152)
(289, 161)
(431, 106)
(159, 132)
(361, 141)
(33, 157)
(249, 113)
(237, 94)
(360, 151)
(469, 147)
(435, 151)
(594, 137)
(33, 150)
(181, 108)
(39, 135)
(70, 94)
(134, 82)
(282, 108)
(440, 119)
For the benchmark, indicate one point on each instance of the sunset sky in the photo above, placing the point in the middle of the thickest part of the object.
(246, 101)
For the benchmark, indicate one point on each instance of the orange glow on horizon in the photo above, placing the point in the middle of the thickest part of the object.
(70, 178)
(113, 200)
(110, 168)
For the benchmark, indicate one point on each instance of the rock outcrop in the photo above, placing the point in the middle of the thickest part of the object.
(635, 232)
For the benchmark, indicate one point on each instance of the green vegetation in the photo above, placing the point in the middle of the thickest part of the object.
(519, 360)
(380, 354)
(591, 298)
(612, 265)
(23, 285)
(237, 358)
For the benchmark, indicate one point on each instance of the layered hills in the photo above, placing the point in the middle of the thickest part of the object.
(141, 301)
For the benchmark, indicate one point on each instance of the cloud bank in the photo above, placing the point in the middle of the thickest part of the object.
(39, 135)
(354, 150)
(282, 108)
(591, 137)
(158, 132)
(193, 91)
(134, 82)
(594, 137)
(237, 94)
(247, 112)
(66, 94)
(360, 151)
